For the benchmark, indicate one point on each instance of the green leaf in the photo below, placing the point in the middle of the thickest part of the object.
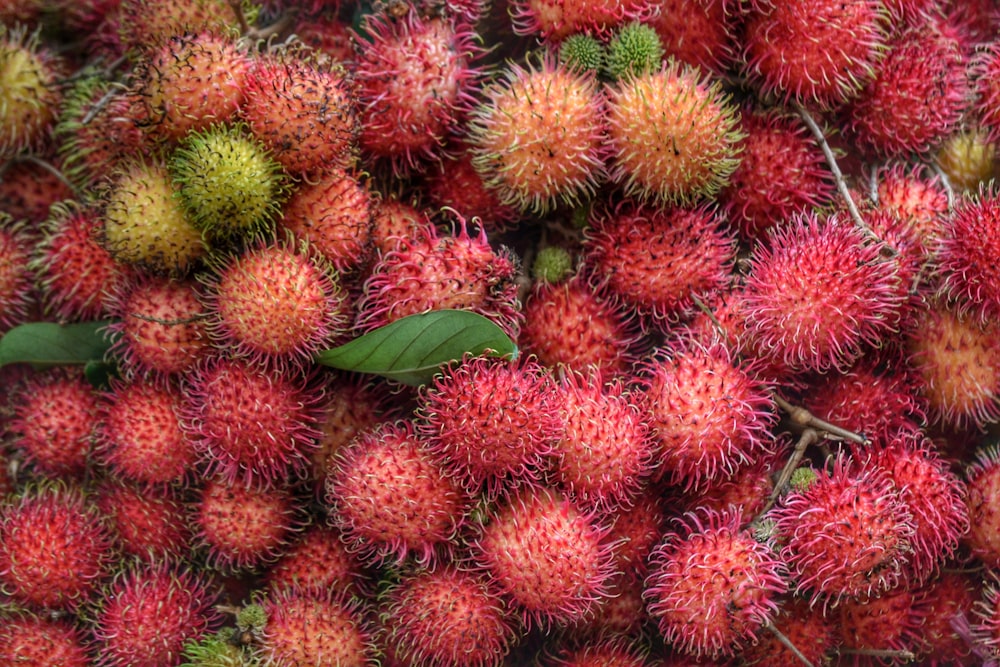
(411, 350)
(49, 344)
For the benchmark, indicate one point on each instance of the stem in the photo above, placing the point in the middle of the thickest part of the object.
(902, 654)
(946, 182)
(241, 17)
(787, 643)
(805, 419)
(808, 437)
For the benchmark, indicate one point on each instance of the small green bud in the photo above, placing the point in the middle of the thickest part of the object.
(636, 49)
(217, 651)
(252, 618)
(802, 479)
(582, 53)
(552, 264)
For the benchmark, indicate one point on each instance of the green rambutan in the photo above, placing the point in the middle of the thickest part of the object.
(583, 53)
(635, 49)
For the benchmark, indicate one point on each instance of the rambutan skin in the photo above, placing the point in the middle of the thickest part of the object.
(966, 255)
(711, 585)
(554, 20)
(818, 292)
(26, 639)
(16, 277)
(983, 500)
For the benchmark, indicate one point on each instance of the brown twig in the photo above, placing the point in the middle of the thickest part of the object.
(787, 643)
(901, 654)
(809, 436)
(805, 419)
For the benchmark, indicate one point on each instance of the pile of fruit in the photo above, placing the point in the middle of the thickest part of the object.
(739, 261)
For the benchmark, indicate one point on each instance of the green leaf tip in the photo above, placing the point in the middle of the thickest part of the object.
(411, 350)
(44, 344)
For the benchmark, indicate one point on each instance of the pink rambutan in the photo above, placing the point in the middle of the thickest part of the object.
(148, 614)
(16, 276)
(548, 556)
(148, 522)
(327, 33)
(190, 82)
(318, 561)
(658, 259)
(847, 534)
(982, 495)
(139, 434)
(918, 199)
(537, 138)
(553, 20)
(956, 362)
(243, 528)
(26, 639)
(698, 32)
(711, 585)
(414, 78)
(455, 184)
(709, 416)
(816, 53)
(781, 173)
(54, 421)
(605, 451)
(160, 326)
(76, 272)
(430, 271)
(918, 96)
(333, 213)
(494, 421)
(569, 324)
(966, 255)
(391, 499)
(250, 423)
(949, 600)
(985, 74)
(394, 219)
(277, 301)
(806, 627)
(818, 292)
(986, 619)
(447, 617)
(304, 630)
(304, 112)
(606, 651)
(635, 530)
(748, 489)
(673, 134)
(891, 621)
(55, 547)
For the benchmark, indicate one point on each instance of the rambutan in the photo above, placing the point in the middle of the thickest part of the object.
(160, 326)
(948, 599)
(16, 276)
(29, 76)
(139, 435)
(414, 79)
(748, 489)
(818, 292)
(918, 96)
(635, 530)
(455, 184)
(333, 213)
(569, 324)
(712, 586)
(547, 555)
(76, 272)
(242, 528)
(148, 522)
(54, 420)
(816, 53)
(447, 617)
(431, 272)
(55, 547)
(605, 451)
(698, 32)
(276, 301)
(968, 158)
(149, 612)
(966, 256)
(846, 535)
(494, 421)
(27, 639)
(987, 617)
(30, 185)
(605, 651)
(304, 630)
(143, 26)
(634, 48)
(658, 259)
(956, 362)
(537, 138)
(673, 134)
(391, 498)
(145, 223)
(553, 20)
(318, 561)
(189, 83)
(250, 423)
(304, 112)
(918, 199)
(230, 186)
(327, 33)
(889, 621)
(982, 495)
(806, 627)
(394, 219)
(781, 173)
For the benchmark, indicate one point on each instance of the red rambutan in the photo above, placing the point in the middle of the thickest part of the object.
(537, 138)
(697, 32)
(391, 499)
(712, 586)
(29, 187)
(949, 599)
(606, 651)
(146, 26)
(966, 254)
(548, 556)
(26, 639)
(918, 199)
(16, 276)
(494, 421)
(148, 522)
(318, 561)
(454, 183)
(818, 292)
(890, 621)
(806, 627)
(658, 259)
(552, 20)
(55, 547)
(986, 619)
(982, 495)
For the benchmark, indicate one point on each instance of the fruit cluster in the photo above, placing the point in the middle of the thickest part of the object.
(748, 250)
